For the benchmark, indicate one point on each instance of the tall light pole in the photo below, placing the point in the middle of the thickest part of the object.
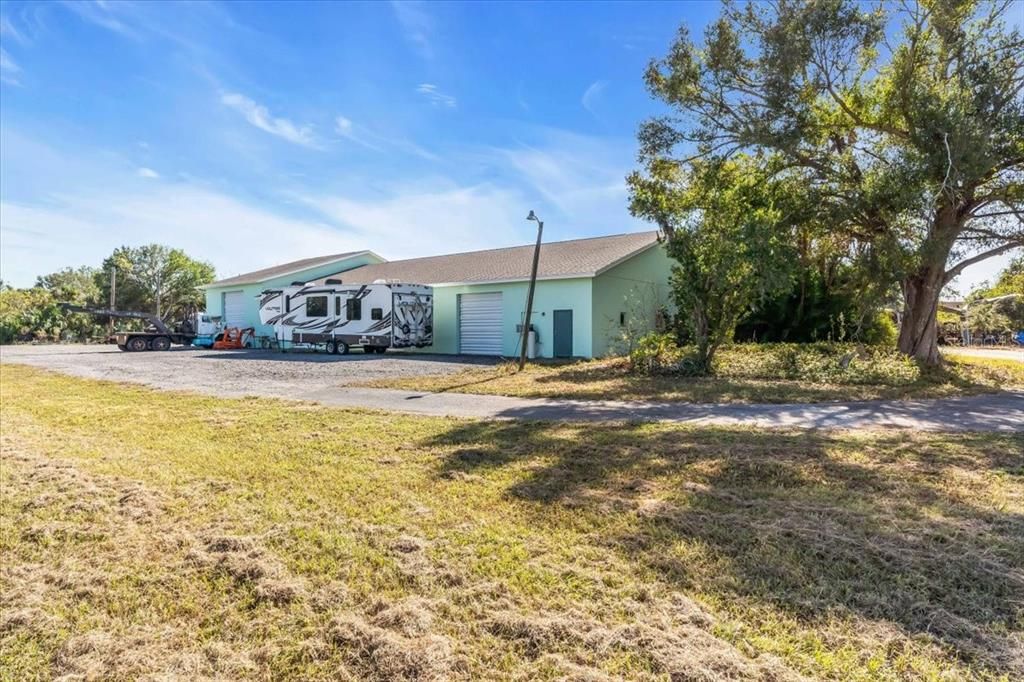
(529, 295)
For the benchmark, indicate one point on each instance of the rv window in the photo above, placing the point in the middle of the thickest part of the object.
(337, 306)
(354, 309)
(316, 306)
(287, 304)
(376, 314)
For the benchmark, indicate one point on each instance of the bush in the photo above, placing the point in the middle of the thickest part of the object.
(657, 353)
(844, 363)
(840, 363)
(881, 331)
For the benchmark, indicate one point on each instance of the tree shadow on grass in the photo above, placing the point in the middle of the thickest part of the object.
(894, 528)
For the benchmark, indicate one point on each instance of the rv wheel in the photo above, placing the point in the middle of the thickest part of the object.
(342, 348)
(332, 347)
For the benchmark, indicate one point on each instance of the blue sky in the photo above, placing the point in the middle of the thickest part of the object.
(255, 133)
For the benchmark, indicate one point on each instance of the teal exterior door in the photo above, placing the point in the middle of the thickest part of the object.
(562, 332)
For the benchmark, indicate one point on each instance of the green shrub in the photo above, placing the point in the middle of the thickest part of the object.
(658, 353)
(844, 363)
(837, 363)
(881, 331)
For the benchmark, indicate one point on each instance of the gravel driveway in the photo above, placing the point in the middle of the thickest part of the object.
(325, 378)
(236, 372)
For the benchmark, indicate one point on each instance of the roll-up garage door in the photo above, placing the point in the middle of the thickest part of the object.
(234, 309)
(480, 324)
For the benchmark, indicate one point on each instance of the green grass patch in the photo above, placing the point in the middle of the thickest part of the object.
(747, 373)
(155, 533)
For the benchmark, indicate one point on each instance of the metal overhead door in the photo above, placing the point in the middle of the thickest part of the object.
(480, 324)
(234, 309)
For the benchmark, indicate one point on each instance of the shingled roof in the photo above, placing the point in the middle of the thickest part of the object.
(295, 266)
(558, 260)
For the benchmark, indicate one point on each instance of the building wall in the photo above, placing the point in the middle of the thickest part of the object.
(251, 292)
(635, 288)
(550, 295)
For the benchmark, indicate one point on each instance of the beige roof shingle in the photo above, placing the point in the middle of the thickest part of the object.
(558, 260)
(257, 276)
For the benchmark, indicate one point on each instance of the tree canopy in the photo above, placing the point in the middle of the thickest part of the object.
(152, 278)
(729, 236)
(902, 125)
(155, 278)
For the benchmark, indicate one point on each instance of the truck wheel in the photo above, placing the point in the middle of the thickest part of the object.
(332, 347)
(160, 343)
(138, 343)
(342, 348)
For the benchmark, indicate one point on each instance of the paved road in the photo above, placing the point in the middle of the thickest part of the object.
(322, 379)
(994, 353)
(1000, 412)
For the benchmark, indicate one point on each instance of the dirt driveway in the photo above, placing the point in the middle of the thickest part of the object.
(235, 373)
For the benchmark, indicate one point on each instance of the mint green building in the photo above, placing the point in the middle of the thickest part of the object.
(592, 295)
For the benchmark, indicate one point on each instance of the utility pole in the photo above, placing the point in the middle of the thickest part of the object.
(529, 295)
(113, 299)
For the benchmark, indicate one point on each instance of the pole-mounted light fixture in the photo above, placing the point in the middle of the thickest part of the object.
(529, 294)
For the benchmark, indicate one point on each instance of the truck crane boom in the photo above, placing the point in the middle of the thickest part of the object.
(157, 323)
(158, 335)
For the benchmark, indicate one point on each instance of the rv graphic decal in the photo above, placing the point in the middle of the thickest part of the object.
(406, 321)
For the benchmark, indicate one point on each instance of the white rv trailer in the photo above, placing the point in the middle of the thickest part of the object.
(339, 316)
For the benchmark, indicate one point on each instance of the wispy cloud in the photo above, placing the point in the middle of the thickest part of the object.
(379, 142)
(103, 14)
(592, 94)
(344, 127)
(8, 30)
(417, 25)
(147, 173)
(435, 96)
(259, 116)
(430, 216)
(8, 69)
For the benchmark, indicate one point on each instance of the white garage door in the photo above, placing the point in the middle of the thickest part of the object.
(234, 309)
(480, 324)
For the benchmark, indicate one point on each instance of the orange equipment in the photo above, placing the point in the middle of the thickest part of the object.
(234, 338)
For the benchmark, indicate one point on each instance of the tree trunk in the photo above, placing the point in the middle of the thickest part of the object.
(702, 337)
(919, 336)
(919, 330)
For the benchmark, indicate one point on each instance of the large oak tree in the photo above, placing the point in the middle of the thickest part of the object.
(904, 125)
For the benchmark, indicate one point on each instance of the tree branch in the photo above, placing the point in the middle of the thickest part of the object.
(984, 255)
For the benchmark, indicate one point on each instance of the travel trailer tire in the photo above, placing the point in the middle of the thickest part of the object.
(337, 347)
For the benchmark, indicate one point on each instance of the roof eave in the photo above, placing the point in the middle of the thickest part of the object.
(365, 252)
(513, 280)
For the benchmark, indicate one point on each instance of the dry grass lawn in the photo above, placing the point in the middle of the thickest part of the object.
(152, 535)
(611, 380)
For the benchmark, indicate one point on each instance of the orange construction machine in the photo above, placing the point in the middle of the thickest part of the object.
(234, 338)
